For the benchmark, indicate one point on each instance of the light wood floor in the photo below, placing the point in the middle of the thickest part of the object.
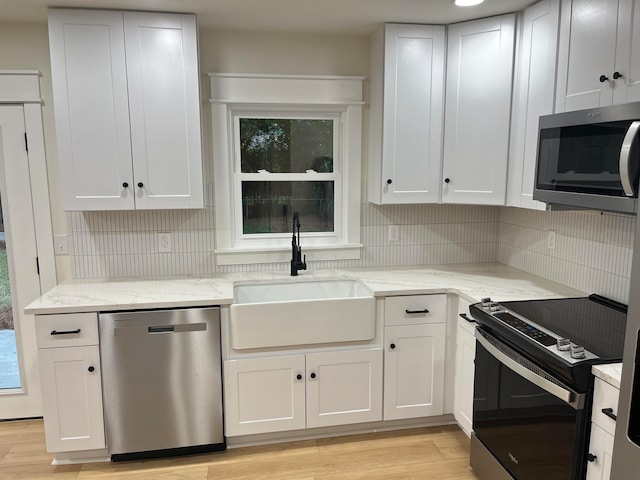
(425, 453)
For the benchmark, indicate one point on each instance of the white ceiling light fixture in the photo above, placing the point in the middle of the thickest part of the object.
(467, 3)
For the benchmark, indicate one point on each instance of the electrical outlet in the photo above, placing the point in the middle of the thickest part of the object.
(394, 233)
(61, 244)
(164, 242)
(551, 240)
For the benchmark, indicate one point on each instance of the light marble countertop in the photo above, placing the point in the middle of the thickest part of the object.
(472, 281)
(610, 373)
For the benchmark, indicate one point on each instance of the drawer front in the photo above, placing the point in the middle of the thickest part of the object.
(415, 309)
(605, 397)
(67, 330)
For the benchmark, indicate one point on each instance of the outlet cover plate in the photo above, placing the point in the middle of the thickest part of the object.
(164, 242)
(394, 233)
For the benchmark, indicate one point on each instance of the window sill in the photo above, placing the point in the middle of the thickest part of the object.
(279, 255)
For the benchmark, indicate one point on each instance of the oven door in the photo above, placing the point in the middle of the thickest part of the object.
(528, 422)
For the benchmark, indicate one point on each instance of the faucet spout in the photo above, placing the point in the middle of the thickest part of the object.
(297, 261)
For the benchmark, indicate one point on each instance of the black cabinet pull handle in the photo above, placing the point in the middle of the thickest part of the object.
(140, 184)
(389, 181)
(617, 75)
(66, 332)
(417, 311)
(392, 346)
(466, 317)
(125, 185)
(603, 78)
(299, 377)
(591, 457)
(313, 375)
(609, 413)
(91, 369)
(447, 180)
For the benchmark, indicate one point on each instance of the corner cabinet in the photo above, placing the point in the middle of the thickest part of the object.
(478, 110)
(70, 377)
(598, 54)
(127, 109)
(406, 114)
(534, 95)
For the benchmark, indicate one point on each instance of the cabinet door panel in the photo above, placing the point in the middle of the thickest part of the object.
(627, 88)
(164, 102)
(413, 113)
(465, 355)
(601, 446)
(534, 96)
(478, 110)
(414, 371)
(264, 395)
(72, 398)
(347, 387)
(586, 51)
(89, 82)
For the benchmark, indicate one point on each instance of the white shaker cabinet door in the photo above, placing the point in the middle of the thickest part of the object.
(478, 110)
(464, 373)
(72, 392)
(344, 387)
(413, 107)
(164, 99)
(414, 371)
(534, 96)
(626, 88)
(264, 394)
(91, 108)
(601, 451)
(586, 54)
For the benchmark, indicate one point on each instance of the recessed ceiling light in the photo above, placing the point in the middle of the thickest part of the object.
(467, 3)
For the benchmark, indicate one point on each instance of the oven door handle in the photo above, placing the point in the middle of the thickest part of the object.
(574, 399)
(628, 153)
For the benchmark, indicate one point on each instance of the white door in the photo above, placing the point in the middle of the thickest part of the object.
(586, 52)
(478, 110)
(17, 211)
(414, 371)
(264, 395)
(344, 387)
(601, 447)
(626, 88)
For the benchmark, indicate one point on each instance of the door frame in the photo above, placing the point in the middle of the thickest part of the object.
(22, 87)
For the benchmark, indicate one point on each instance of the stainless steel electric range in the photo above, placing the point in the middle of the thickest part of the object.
(533, 387)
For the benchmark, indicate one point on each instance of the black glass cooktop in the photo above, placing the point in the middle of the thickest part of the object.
(595, 322)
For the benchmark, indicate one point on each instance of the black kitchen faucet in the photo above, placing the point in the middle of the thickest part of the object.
(297, 262)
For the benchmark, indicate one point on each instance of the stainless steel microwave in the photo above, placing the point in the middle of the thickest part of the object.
(590, 159)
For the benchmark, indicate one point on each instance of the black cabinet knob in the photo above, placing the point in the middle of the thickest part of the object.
(617, 75)
(389, 181)
(392, 346)
(299, 377)
(447, 180)
(140, 184)
(591, 457)
(603, 78)
(125, 185)
(313, 375)
(91, 369)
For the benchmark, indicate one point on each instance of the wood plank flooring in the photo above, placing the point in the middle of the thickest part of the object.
(438, 453)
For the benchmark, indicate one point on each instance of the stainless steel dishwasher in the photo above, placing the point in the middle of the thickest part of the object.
(162, 382)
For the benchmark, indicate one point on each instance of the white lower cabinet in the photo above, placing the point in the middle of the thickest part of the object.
(70, 379)
(600, 451)
(272, 394)
(603, 426)
(464, 374)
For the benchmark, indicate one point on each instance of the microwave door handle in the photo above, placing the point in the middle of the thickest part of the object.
(575, 400)
(627, 153)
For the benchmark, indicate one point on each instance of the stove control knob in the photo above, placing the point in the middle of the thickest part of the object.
(494, 307)
(486, 301)
(577, 351)
(563, 344)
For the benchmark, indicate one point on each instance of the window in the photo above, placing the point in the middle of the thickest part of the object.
(272, 159)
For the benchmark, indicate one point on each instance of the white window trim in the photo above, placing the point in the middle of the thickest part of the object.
(238, 95)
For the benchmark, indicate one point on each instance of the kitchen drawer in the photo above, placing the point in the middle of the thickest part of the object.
(605, 396)
(86, 325)
(415, 309)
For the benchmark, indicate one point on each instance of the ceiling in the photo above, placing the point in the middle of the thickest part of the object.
(355, 17)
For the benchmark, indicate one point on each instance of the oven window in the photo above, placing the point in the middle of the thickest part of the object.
(531, 432)
(582, 159)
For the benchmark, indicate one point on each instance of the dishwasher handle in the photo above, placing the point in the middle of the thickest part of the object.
(161, 329)
(135, 330)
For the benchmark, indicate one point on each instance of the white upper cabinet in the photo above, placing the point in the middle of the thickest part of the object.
(598, 54)
(406, 120)
(478, 110)
(534, 95)
(127, 109)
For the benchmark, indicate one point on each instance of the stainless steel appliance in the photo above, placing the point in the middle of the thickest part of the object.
(161, 379)
(626, 448)
(533, 387)
(590, 159)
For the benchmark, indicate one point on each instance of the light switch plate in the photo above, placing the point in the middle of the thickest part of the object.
(61, 244)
